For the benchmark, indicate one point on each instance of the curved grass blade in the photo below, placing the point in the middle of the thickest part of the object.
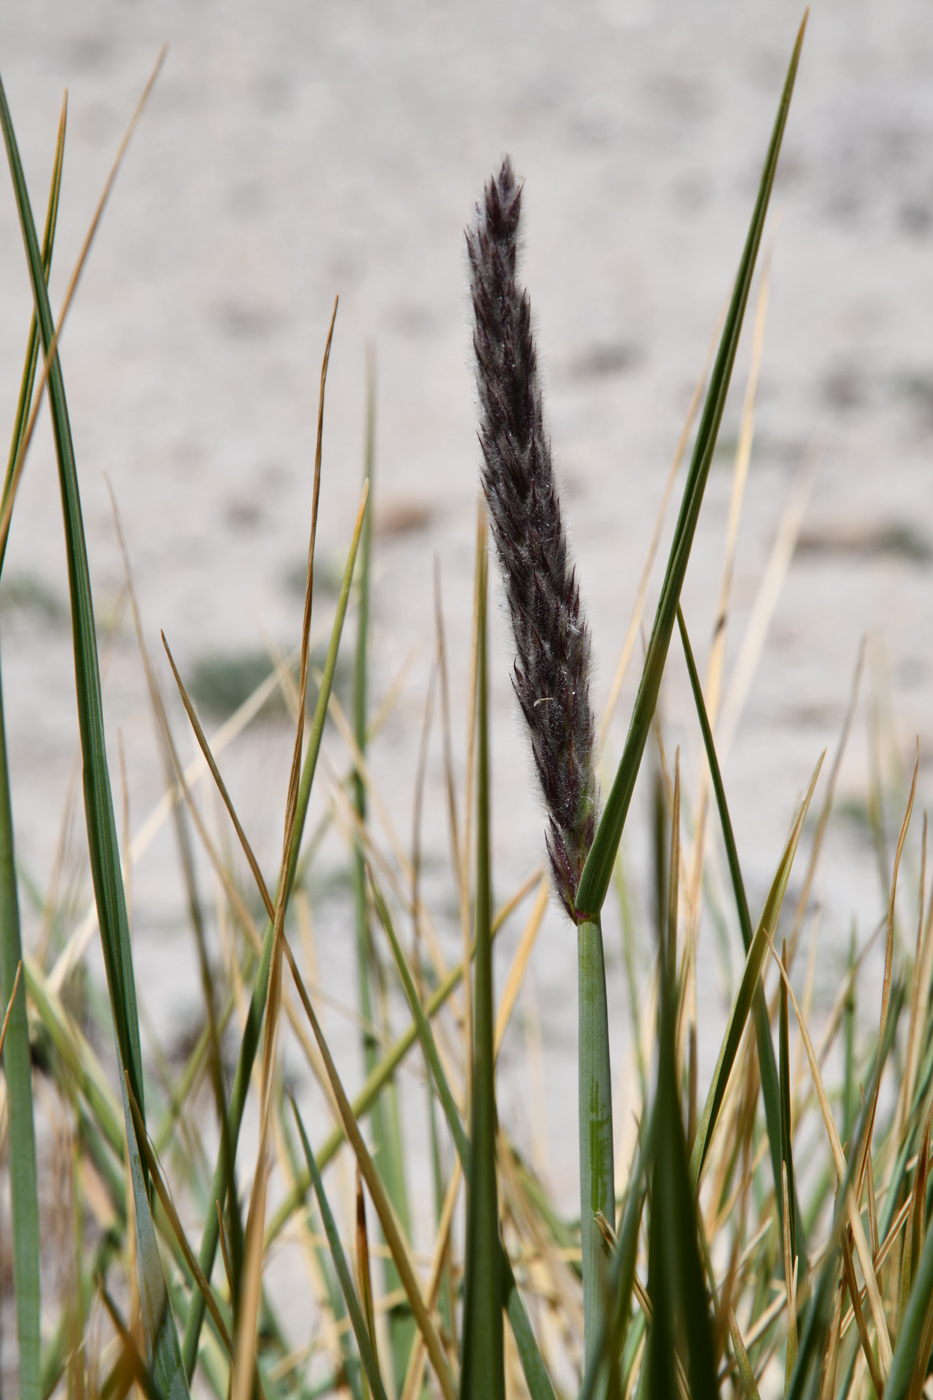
(102, 838)
(161, 1339)
(597, 873)
(25, 430)
(17, 1060)
(483, 1355)
(357, 1319)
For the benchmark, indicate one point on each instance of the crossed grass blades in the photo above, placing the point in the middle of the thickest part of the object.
(770, 1239)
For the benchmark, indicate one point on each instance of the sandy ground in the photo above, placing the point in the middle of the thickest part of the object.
(293, 152)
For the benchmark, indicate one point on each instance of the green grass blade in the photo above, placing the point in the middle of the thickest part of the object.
(850, 1083)
(751, 980)
(221, 1182)
(358, 1321)
(911, 1353)
(681, 1323)
(787, 1148)
(159, 1325)
(770, 1086)
(597, 1180)
(483, 1356)
(17, 1060)
(98, 801)
(597, 872)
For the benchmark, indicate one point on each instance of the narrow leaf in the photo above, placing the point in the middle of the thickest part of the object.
(159, 1325)
(17, 1059)
(597, 873)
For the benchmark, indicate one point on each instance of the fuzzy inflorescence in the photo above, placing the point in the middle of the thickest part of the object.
(551, 675)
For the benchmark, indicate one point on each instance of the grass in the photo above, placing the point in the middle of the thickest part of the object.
(763, 1233)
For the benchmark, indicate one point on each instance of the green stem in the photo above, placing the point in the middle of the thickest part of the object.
(597, 1188)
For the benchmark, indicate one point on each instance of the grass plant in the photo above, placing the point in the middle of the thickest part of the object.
(764, 1234)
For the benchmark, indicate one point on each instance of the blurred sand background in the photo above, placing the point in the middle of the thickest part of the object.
(291, 152)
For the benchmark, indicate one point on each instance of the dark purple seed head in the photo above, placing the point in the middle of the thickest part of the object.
(551, 675)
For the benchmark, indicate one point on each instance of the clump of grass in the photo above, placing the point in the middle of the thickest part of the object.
(771, 1236)
(552, 669)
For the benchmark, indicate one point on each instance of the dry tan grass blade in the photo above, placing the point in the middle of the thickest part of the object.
(255, 1228)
